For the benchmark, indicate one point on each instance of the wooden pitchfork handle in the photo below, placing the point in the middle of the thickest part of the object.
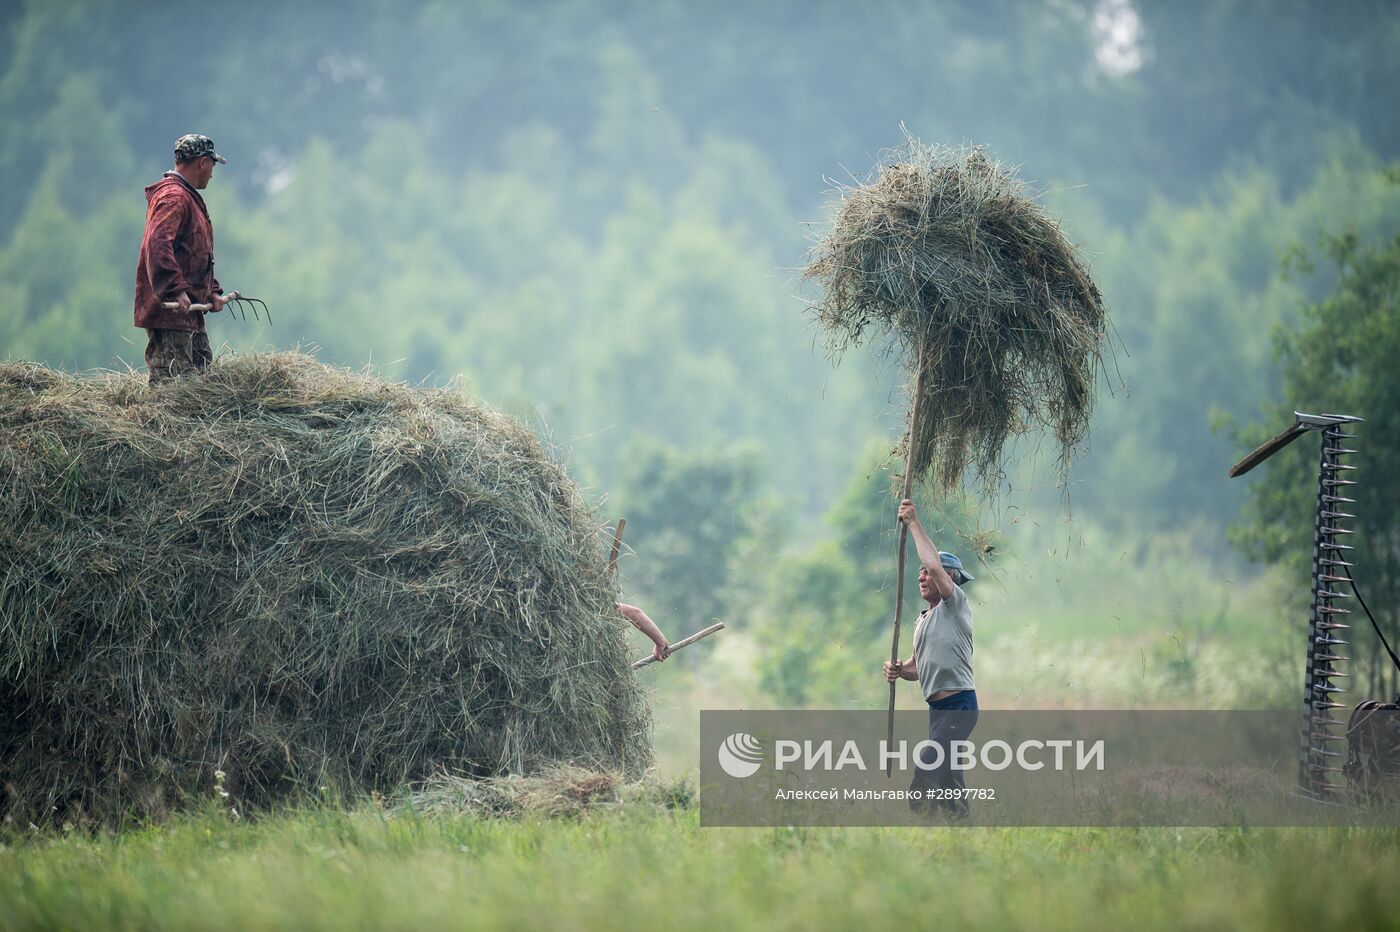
(686, 642)
(202, 308)
(903, 541)
(617, 545)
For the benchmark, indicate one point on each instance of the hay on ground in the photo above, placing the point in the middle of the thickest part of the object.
(297, 575)
(559, 792)
(946, 249)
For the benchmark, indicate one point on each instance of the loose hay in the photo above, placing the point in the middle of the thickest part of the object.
(294, 574)
(948, 250)
(558, 793)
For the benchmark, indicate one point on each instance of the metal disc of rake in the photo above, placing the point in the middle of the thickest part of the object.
(240, 305)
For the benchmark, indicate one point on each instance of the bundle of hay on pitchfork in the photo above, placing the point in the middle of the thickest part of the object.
(995, 316)
(947, 249)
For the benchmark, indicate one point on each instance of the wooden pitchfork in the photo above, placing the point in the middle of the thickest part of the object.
(903, 541)
(237, 300)
(684, 642)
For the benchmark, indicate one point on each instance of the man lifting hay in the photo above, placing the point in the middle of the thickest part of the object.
(941, 664)
(996, 319)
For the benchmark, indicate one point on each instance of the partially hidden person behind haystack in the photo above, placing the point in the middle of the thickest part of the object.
(942, 666)
(177, 264)
(661, 648)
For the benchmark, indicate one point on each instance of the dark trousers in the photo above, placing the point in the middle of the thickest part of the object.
(176, 352)
(949, 719)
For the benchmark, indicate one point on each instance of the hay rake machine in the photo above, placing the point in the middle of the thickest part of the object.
(1366, 747)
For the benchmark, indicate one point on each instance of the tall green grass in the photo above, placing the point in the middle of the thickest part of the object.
(643, 867)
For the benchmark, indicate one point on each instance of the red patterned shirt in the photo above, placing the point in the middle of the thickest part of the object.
(177, 254)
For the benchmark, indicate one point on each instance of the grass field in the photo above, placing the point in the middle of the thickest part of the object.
(645, 866)
(642, 865)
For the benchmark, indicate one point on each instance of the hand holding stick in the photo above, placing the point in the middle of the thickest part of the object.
(685, 642)
(236, 298)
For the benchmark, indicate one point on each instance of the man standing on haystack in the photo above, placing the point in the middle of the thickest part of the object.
(942, 666)
(177, 264)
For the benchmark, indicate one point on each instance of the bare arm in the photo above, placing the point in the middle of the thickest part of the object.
(907, 669)
(928, 551)
(648, 627)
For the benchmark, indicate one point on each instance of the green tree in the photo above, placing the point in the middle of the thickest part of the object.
(1196, 294)
(1341, 359)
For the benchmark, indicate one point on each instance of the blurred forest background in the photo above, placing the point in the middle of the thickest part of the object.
(592, 212)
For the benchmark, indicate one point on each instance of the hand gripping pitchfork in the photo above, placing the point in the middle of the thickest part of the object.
(237, 300)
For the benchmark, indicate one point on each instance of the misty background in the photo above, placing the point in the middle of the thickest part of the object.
(593, 213)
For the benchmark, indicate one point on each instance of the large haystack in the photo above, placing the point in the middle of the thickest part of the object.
(298, 576)
(951, 252)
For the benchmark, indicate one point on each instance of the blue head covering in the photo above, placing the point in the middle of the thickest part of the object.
(951, 562)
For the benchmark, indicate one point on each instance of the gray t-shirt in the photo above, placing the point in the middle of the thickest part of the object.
(943, 645)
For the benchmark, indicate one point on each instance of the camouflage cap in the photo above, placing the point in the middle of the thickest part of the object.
(193, 146)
